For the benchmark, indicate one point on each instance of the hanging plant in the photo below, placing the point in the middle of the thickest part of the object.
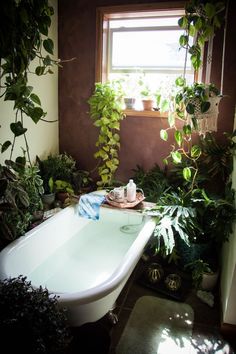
(106, 111)
(202, 18)
(198, 105)
(24, 26)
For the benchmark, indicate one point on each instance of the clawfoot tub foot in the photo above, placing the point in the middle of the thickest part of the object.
(112, 317)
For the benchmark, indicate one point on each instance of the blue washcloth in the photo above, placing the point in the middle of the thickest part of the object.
(89, 205)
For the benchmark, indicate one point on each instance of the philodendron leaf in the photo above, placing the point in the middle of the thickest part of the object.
(210, 10)
(187, 129)
(35, 99)
(48, 45)
(36, 114)
(39, 70)
(5, 146)
(196, 151)
(17, 128)
(178, 137)
(164, 135)
(187, 174)
(176, 156)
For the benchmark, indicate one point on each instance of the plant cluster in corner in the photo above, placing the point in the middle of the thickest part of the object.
(106, 112)
(31, 320)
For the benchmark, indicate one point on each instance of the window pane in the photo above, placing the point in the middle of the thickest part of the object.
(153, 50)
(145, 22)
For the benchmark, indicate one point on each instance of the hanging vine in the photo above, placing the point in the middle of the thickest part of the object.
(106, 111)
(24, 26)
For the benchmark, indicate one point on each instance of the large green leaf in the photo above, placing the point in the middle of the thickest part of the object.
(5, 146)
(17, 128)
(164, 134)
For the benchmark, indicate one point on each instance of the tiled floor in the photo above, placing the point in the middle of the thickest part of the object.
(102, 337)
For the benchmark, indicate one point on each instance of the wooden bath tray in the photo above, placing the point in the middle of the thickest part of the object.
(139, 198)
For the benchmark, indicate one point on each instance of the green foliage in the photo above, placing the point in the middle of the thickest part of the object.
(195, 100)
(20, 191)
(198, 268)
(63, 186)
(175, 214)
(56, 167)
(201, 20)
(24, 28)
(81, 179)
(106, 112)
(153, 182)
(30, 319)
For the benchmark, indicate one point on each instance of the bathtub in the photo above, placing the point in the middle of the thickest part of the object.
(85, 263)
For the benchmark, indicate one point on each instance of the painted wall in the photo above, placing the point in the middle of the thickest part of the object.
(140, 141)
(42, 137)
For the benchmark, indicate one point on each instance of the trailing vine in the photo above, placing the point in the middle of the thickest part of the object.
(106, 111)
(24, 26)
(202, 18)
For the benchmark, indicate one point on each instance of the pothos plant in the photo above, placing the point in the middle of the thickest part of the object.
(24, 26)
(106, 112)
(200, 21)
(202, 18)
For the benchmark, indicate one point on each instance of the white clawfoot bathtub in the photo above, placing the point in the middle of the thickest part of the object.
(85, 262)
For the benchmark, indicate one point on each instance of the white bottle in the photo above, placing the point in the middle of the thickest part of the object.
(131, 191)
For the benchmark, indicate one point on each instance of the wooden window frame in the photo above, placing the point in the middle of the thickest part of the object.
(103, 14)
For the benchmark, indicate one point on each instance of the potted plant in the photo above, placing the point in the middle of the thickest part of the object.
(198, 105)
(147, 98)
(204, 275)
(30, 319)
(82, 181)
(59, 167)
(106, 111)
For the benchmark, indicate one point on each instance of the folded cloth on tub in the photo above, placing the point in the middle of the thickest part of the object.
(89, 205)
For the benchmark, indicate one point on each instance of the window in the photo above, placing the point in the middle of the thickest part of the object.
(140, 47)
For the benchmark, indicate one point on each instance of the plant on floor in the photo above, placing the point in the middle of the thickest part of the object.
(106, 112)
(30, 319)
(200, 269)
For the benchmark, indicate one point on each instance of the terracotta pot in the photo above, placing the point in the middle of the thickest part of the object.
(62, 196)
(148, 105)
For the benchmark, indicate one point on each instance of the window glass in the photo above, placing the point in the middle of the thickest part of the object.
(143, 53)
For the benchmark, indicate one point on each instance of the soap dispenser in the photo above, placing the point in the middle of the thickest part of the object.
(131, 191)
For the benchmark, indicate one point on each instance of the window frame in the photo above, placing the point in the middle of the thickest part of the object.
(104, 14)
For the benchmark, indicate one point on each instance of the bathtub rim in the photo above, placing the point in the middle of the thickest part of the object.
(107, 286)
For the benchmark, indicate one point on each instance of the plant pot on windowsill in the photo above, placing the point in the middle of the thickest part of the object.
(148, 104)
(129, 102)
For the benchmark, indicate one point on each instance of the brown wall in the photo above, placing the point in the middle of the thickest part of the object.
(140, 142)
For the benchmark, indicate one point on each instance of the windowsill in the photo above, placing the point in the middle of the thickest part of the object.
(156, 114)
